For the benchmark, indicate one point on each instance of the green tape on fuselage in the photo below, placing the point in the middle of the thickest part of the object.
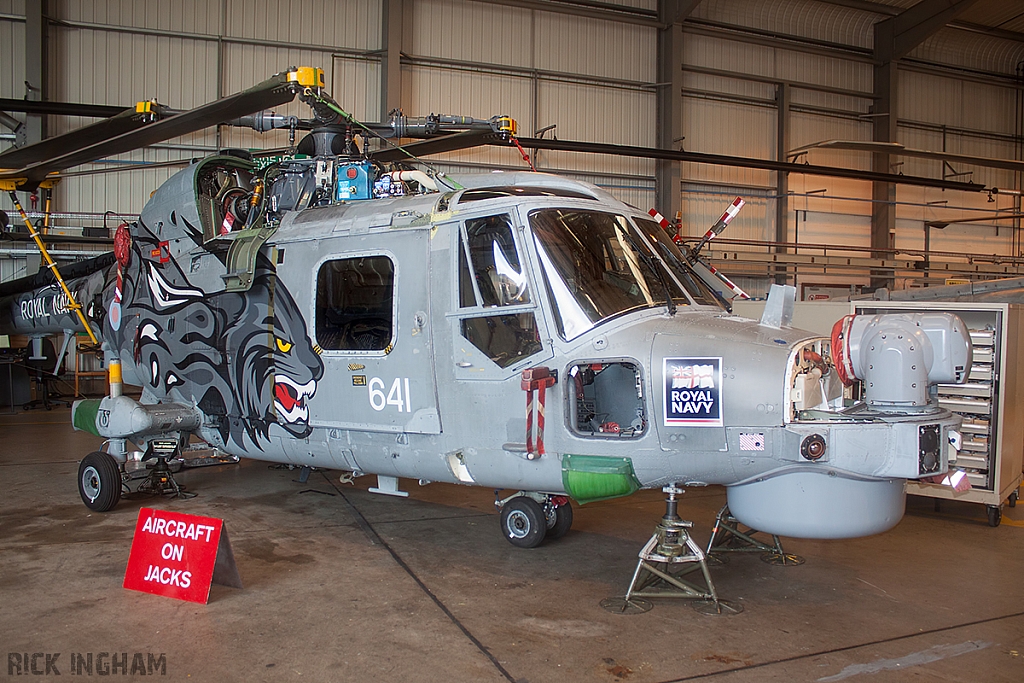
(83, 415)
(589, 478)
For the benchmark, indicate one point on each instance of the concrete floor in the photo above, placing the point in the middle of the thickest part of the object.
(345, 585)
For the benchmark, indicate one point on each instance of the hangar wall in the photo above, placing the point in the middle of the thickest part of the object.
(957, 93)
(593, 77)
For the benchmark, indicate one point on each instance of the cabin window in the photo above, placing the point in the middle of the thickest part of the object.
(607, 399)
(355, 304)
(491, 275)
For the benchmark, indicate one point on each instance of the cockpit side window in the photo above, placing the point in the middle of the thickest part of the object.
(491, 276)
(496, 269)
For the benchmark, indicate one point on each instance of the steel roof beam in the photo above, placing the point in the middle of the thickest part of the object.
(912, 27)
(895, 37)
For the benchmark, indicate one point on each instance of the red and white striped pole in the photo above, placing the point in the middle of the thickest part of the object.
(536, 380)
(729, 283)
(540, 418)
(666, 226)
(529, 423)
(716, 229)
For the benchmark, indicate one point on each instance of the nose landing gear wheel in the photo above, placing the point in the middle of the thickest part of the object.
(523, 522)
(99, 482)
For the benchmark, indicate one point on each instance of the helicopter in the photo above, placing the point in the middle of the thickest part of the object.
(340, 308)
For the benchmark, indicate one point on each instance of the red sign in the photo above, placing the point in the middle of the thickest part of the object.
(162, 252)
(179, 556)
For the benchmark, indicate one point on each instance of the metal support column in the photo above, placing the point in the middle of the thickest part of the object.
(895, 37)
(670, 555)
(391, 59)
(883, 207)
(668, 174)
(35, 67)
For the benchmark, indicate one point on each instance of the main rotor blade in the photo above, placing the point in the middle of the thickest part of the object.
(100, 111)
(448, 143)
(21, 157)
(276, 90)
(742, 162)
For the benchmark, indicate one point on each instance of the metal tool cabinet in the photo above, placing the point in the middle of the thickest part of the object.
(990, 402)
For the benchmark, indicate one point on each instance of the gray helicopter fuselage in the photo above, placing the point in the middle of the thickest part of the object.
(336, 308)
(414, 337)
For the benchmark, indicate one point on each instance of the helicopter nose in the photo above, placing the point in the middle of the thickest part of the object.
(818, 504)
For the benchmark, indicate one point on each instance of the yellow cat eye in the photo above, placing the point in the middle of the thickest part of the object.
(282, 345)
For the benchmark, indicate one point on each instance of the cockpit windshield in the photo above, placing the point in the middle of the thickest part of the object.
(596, 266)
(673, 259)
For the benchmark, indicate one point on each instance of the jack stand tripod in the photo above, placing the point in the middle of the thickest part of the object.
(727, 537)
(665, 559)
(160, 480)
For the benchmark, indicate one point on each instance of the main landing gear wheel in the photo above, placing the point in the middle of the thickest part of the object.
(99, 481)
(559, 519)
(523, 522)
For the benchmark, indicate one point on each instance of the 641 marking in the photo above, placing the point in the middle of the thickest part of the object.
(395, 397)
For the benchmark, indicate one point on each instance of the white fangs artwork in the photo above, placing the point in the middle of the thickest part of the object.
(292, 409)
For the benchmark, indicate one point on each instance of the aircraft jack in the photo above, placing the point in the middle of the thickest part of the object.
(160, 480)
(728, 537)
(665, 559)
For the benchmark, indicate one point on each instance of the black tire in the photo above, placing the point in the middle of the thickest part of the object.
(559, 521)
(995, 515)
(523, 522)
(1012, 500)
(99, 482)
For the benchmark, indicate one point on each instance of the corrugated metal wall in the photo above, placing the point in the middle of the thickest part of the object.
(12, 50)
(739, 116)
(591, 77)
(804, 18)
(954, 47)
(12, 78)
(486, 34)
